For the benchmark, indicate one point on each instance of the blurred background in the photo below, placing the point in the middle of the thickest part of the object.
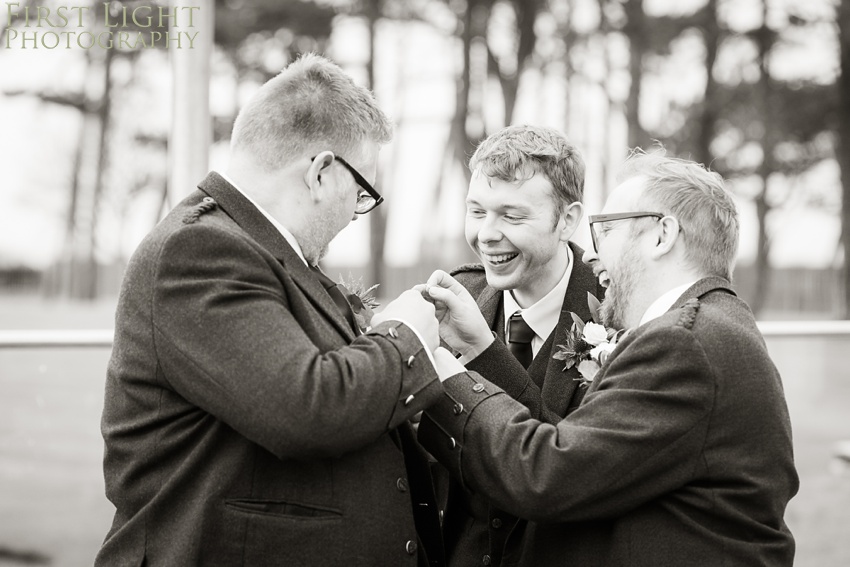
(100, 139)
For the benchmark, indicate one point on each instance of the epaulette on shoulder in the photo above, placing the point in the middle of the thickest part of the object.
(467, 268)
(688, 313)
(205, 206)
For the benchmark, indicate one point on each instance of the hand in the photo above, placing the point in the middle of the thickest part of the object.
(461, 324)
(447, 364)
(411, 308)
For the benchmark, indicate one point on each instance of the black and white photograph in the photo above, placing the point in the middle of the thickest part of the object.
(438, 283)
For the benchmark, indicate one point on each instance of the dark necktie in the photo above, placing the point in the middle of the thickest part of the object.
(519, 339)
(338, 297)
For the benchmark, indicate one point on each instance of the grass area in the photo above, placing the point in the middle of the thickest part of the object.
(51, 484)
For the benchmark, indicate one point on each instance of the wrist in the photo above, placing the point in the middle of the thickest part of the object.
(475, 349)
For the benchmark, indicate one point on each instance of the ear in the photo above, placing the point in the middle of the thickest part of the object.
(313, 176)
(569, 221)
(668, 234)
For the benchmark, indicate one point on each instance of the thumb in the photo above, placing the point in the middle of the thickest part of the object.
(443, 280)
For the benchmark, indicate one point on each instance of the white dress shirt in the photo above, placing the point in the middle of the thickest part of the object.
(543, 316)
(663, 304)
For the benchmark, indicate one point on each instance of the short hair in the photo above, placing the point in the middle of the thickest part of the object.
(517, 153)
(310, 106)
(697, 197)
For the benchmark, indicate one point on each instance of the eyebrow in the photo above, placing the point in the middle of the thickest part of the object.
(502, 207)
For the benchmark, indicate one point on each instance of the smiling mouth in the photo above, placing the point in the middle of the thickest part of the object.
(499, 259)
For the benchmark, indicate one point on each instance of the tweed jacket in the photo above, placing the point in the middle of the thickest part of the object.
(679, 454)
(244, 422)
(475, 532)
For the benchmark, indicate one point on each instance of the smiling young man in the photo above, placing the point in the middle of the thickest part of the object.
(523, 206)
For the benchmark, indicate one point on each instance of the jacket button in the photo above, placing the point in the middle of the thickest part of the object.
(452, 443)
(401, 484)
(457, 409)
(393, 333)
(410, 547)
(478, 387)
(496, 523)
(485, 560)
(410, 361)
(408, 400)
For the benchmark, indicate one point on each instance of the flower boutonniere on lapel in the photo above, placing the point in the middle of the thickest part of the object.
(361, 299)
(588, 344)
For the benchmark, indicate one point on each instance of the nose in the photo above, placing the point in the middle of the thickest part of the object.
(488, 231)
(589, 257)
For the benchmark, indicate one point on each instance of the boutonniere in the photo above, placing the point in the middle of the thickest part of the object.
(361, 299)
(588, 344)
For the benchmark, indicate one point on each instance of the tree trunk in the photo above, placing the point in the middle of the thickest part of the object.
(635, 30)
(458, 138)
(764, 39)
(378, 217)
(526, 14)
(89, 289)
(711, 35)
(843, 153)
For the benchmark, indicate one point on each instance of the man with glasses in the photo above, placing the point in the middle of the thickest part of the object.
(680, 452)
(247, 421)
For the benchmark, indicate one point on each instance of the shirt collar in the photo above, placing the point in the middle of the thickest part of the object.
(543, 316)
(282, 229)
(663, 304)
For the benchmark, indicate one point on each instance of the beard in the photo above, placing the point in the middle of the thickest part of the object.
(624, 278)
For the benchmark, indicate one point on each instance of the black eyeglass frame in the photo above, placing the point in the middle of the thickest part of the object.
(361, 181)
(592, 219)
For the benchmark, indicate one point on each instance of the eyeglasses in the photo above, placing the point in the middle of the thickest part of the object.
(368, 198)
(593, 219)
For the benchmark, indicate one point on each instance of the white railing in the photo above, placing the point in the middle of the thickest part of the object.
(48, 339)
(102, 338)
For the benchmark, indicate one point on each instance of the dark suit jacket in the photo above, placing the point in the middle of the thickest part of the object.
(680, 453)
(244, 422)
(472, 528)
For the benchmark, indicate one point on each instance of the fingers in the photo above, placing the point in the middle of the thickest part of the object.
(444, 280)
(445, 296)
(422, 289)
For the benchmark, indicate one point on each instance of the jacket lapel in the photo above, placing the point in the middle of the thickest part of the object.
(258, 227)
(559, 385)
(490, 304)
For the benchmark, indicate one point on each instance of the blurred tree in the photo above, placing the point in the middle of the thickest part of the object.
(843, 153)
(75, 272)
(250, 33)
(782, 120)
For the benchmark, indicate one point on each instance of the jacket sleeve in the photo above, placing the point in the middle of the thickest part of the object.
(501, 368)
(228, 342)
(638, 435)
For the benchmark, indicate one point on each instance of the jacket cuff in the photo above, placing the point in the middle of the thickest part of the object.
(502, 369)
(420, 386)
(441, 431)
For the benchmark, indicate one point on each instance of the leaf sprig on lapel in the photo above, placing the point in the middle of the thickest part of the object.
(588, 344)
(361, 298)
